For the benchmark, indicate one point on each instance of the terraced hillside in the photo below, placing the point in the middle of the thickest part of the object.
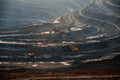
(87, 34)
(14, 13)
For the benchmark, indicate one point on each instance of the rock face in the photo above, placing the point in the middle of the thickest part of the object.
(84, 35)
